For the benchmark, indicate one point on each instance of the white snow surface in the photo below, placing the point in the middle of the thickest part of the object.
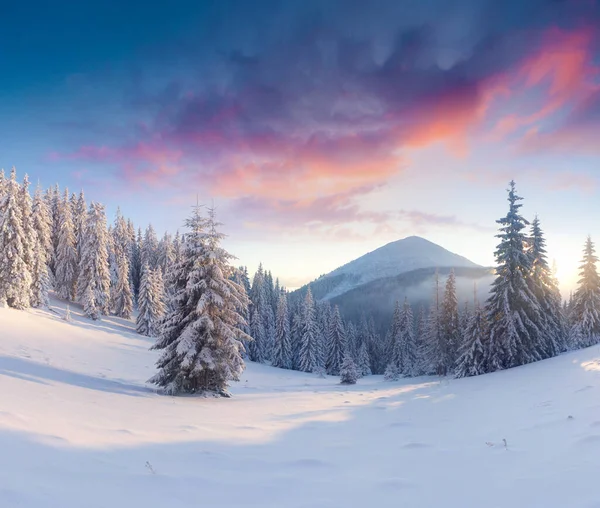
(80, 429)
(395, 258)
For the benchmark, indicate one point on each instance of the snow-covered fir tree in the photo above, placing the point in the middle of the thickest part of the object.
(135, 261)
(348, 372)
(53, 201)
(259, 348)
(309, 331)
(65, 265)
(434, 356)
(585, 307)
(282, 348)
(149, 251)
(408, 344)
(121, 294)
(29, 233)
(151, 306)
(393, 370)
(201, 338)
(42, 224)
(548, 295)
(449, 323)
(363, 362)
(15, 274)
(323, 316)
(166, 253)
(472, 358)
(337, 345)
(514, 313)
(93, 286)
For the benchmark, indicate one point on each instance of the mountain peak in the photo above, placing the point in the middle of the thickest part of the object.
(401, 256)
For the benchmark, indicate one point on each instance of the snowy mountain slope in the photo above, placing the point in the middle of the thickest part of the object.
(402, 256)
(79, 428)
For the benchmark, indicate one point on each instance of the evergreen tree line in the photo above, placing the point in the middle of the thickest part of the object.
(522, 320)
(56, 241)
(303, 334)
(182, 286)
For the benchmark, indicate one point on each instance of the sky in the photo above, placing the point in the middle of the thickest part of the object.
(320, 129)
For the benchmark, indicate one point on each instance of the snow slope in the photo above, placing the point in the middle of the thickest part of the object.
(79, 429)
(393, 259)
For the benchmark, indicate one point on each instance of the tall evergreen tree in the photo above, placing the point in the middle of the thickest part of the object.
(79, 218)
(548, 295)
(149, 252)
(408, 345)
(258, 348)
(434, 347)
(93, 286)
(29, 233)
(472, 359)
(393, 369)
(15, 275)
(150, 302)
(309, 347)
(363, 361)
(200, 339)
(337, 345)
(514, 313)
(42, 224)
(449, 322)
(585, 311)
(66, 269)
(122, 297)
(282, 349)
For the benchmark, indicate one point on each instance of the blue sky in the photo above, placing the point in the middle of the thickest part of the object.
(321, 130)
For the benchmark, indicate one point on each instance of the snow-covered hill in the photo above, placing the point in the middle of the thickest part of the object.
(80, 429)
(402, 256)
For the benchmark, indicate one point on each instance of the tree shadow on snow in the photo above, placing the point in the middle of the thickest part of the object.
(28, 370)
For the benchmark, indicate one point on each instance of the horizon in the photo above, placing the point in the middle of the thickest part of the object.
(321, 131)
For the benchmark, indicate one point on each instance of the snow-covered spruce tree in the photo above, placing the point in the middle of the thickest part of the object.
(514, 313)
(151, 305)
(166, 253)
(136, 264)
(257, 349)
(434, 348)
(15, 274)
(282, 348)
(65, 266)
(348, 372)
(42, 224)
(336, 341)
(201, 337)
(30, 236)
(93, 286)
(323, 316)
(394, 354)
(79, 218)
(121, 295)
(472, 358)
(53, 201)
(149, 253)
(363, 361)
(449, 322)
(296, 332)
(420, 344)
(548, 294)
(407, 341)
(352, 340)
(585, 311)
(309, 330)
